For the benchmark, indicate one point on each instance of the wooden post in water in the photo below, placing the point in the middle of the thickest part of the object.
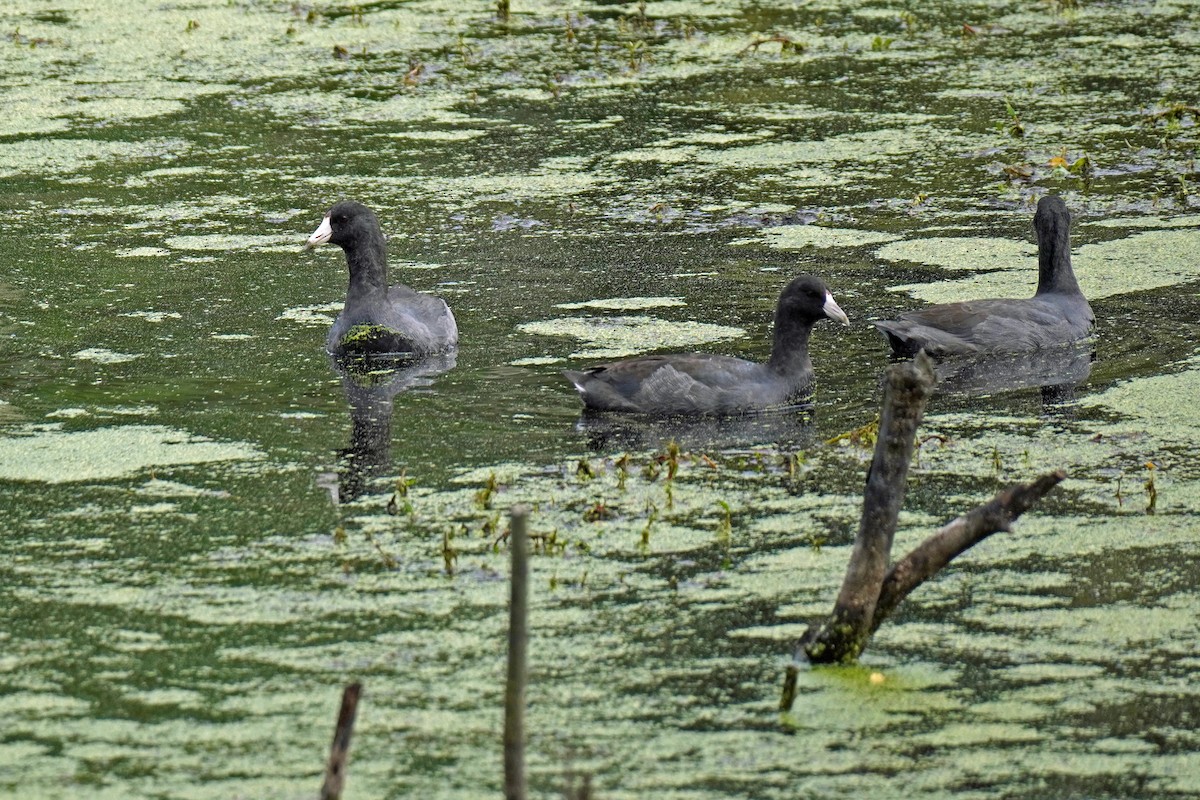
(518, 648)
(339, 751)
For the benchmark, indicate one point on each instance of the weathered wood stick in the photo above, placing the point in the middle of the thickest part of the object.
(841, 638)
(957, 536)
(339, 751)
(518, 647)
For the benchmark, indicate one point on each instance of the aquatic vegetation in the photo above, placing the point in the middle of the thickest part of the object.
(1012, 126)
(50, 454)
(1006, 269)
(619, 336)
(794, 237)
(365, 336)
(483, 498)
(103, 355)
(863, 437)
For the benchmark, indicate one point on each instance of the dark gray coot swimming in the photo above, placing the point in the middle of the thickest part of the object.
(1057, 314)
(380, 319)
(700, 383)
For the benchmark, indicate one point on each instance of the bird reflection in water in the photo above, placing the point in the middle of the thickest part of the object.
(786, 429)
(1057, 371)
(371, 387)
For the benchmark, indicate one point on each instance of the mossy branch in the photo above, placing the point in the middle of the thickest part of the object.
(841, 638)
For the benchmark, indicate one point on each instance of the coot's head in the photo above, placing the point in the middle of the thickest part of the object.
(807, 298)
(346, 224)
(1051, 214)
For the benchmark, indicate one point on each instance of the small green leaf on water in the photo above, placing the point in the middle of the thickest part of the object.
(1014, 127)
(622, 465)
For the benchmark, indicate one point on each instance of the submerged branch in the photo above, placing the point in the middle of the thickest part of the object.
(869, 588)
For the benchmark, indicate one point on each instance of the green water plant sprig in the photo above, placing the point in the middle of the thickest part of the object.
(787, 45)
(483, 498)
(863, 437)
(1151, 489)
(1012, 126)
(400, 502)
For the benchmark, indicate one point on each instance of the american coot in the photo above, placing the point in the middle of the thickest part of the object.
(377, 318)
(1056, 315)
(699, 383)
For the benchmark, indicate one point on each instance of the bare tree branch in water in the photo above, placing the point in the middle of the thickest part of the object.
(872, 589)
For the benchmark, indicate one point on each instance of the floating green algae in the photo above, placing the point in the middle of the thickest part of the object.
(624, 303)
(321, 315)
(153, 316)
(795, 237)
(971, 253)
(1159, 403)
(614, 337)
(223, 241)
(65, 156)
(141, 252)
(50, 454)
(1136, 263)
(102, 355)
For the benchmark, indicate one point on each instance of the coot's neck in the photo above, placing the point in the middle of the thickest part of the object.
(1054, 257)
(367, 261)
(789, 354)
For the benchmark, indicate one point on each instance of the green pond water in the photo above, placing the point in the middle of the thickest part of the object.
(198, 550)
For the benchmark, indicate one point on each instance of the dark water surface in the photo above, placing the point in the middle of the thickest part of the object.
(182, 596)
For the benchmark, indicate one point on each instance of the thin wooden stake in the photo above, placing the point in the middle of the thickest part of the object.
(518, 649)
(339, 751)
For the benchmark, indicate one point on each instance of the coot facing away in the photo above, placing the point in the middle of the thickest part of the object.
(1057, 314)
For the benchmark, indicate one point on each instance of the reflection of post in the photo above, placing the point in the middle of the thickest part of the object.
(518, 646)
(371, 390)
